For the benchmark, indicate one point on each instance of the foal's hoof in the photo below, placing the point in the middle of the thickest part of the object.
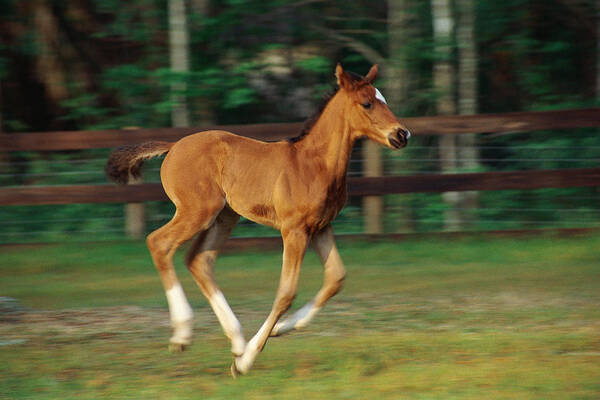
(176, 347)
(234, 371)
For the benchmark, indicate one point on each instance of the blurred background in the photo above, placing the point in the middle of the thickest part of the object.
(502, 98)
(108, 64)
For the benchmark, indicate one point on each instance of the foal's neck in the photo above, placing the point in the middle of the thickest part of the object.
(330, 140)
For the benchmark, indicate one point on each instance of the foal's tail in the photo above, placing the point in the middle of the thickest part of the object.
(126, 161)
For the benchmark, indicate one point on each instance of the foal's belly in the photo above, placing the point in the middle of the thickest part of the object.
(263, 214)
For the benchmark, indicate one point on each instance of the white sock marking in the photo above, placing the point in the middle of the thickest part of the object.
(298, 320)
(179, 307)
(230, 324)
(303, 316)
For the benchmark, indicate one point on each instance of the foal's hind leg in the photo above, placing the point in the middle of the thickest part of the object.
(324, 244)
(162, 244)
(200, 262)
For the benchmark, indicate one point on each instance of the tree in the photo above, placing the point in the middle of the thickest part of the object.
(457, 152)
(180, 61)
(443, 76)
(467, 150)
(598, 50)
(401, 30)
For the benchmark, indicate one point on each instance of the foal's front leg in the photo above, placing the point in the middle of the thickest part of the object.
(294, 247)
(334, 274)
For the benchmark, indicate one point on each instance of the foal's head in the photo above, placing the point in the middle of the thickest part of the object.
(367, 109)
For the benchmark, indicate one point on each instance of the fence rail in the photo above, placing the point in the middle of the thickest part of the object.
(435, 125)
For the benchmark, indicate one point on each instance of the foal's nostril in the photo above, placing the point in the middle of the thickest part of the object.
(399, 138)
(404, 134)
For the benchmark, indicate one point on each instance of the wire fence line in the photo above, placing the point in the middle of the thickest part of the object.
(101, 224)
(90, 170)
(99, 176)
(339, 228)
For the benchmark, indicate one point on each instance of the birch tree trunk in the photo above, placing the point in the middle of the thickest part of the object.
(468, 152)
(396, 69)
(179, 54)
(443, 26)
(467, 57)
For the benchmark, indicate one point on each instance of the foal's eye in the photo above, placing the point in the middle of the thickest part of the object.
(367, 105)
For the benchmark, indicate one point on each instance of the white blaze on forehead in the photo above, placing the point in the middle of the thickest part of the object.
(379, 96)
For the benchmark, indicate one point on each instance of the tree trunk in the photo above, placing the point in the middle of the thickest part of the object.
(598, 50)
(394, 87)
(180, 64)
(443, 26)
(202, 113)
(396, 69)
(468, 152)
(48, 65)
(201, 6)
(1, 108)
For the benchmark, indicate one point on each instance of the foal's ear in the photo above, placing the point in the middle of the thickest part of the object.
(343, 79)
(372, 75)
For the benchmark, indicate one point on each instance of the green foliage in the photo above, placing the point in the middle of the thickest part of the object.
(317, 64)
(85, 107)
(519, 42)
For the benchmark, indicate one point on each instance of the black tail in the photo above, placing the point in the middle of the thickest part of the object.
(126, 161)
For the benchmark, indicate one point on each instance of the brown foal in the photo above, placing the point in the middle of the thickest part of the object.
(297, 186)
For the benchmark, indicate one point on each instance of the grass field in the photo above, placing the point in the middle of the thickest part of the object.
(432, 318)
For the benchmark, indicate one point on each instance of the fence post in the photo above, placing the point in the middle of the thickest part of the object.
(372, 205)
(135, 221)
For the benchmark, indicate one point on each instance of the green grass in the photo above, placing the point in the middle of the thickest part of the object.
(474, 318)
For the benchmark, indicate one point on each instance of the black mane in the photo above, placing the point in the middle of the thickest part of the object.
(312, 120)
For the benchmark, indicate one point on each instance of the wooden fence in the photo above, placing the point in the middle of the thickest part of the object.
(366, 186)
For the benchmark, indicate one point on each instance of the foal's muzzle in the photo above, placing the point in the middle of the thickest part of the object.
(399, 139)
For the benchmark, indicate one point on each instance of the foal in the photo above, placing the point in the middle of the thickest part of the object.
(297, 186)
